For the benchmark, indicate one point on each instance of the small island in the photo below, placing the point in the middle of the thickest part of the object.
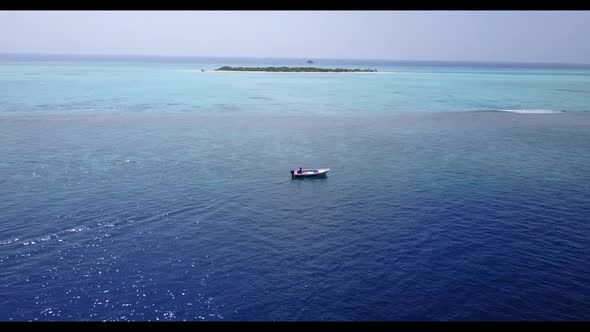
(297, 69)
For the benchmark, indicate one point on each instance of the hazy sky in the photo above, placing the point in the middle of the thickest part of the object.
(520, 36)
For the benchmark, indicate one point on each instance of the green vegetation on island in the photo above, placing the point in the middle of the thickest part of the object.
(297, 69)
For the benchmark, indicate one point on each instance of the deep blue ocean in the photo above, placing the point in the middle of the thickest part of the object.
(145, 189)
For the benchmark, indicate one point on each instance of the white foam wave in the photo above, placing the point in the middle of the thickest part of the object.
(9, 241)
(77, 229)
(532, 111)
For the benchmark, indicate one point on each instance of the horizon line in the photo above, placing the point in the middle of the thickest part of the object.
(289, 58)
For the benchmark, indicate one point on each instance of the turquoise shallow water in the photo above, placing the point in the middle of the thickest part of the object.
(142, 86)
(139, 190)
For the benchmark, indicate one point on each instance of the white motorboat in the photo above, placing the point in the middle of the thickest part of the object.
(304, 173)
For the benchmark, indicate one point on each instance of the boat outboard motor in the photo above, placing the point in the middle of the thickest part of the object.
(292, 173)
